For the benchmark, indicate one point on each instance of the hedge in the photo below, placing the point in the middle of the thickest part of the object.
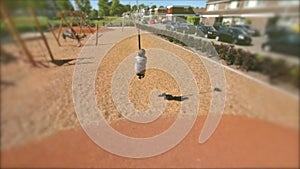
(193, 20)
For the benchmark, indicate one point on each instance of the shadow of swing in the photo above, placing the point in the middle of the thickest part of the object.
(61, 62)
(182, 98)
(171, 97)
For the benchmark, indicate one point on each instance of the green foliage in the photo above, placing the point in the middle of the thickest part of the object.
(134, 8)
(116, 9)
(193, 20)
(143, 6)
(24, 5)
(84, 6)
(94, 14)
(248, 21)
(113, 8)
(103, 8)
(64, 5)
(153, 6)
(127, 8)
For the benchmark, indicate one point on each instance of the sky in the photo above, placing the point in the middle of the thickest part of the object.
(194, 3)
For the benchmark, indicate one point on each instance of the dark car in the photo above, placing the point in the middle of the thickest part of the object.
(144, 21)
(186, 28)
(233, 35)
(207, 31)
(286, 43)
(218, 25)
(275, 31)
(248, 29)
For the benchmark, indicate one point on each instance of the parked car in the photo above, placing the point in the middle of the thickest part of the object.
(152, 21)
(170, 26)
(275, 31)
(207, 31)
(287, 43)
(218, 25)
(233, 35)
(186, 28)
(164, 21)
(248, 29)
(144, 21)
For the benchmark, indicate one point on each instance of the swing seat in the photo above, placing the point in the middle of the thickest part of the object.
(68, 34)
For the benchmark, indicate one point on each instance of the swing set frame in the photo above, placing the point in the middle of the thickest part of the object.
(16, 35)
(63, 21)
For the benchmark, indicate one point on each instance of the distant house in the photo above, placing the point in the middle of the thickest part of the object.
(174, 12)
(259, 13)
(151, 12)
(160, 13)
(199, 11)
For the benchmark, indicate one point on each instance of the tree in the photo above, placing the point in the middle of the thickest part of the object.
(143, 6)
(24, 5)
(127, 8)
(161, 6)
(103, 7)
(153, 6)
(84, 6)
(94, 13)
(134, 8)
(115, 8)
(64, 5)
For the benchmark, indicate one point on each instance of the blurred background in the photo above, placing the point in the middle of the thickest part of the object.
(42, 39)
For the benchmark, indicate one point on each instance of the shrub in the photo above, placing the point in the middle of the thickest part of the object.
(193, 20)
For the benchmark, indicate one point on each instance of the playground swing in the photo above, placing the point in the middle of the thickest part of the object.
(141, 59)
(53, 60)
(77, 17)
(72, 34)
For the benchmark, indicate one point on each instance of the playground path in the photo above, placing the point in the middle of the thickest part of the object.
(260, 128)
(238, 142)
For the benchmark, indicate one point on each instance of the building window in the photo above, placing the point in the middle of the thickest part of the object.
(289, 2)
(212, 7)
(234, 4)
(216, 7)
(168, 10)
(254, 3)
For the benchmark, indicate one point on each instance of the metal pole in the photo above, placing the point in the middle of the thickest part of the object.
(97, 35)
(53, 33)
(139, 35)
(12, 27)
(37, 23)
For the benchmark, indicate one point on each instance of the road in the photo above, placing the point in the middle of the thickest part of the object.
(254, 48)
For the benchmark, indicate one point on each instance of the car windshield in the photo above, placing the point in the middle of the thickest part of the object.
(247, 26)
(183, 24)
(210, 28)
(240, 31)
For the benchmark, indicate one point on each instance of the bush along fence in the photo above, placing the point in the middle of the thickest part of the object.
(277, 70)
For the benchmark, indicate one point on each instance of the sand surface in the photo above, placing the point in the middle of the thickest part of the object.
(38, 116)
